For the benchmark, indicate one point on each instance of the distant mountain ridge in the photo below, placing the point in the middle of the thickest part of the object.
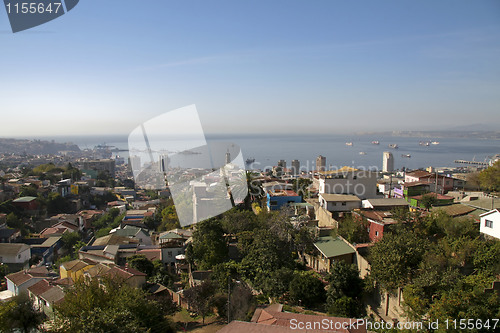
(34, 147)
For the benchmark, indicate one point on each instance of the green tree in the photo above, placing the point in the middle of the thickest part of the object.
(69, 239)
(428, 200)
(209, 246)
(395, 257)
(19, 314)
(490, 177)
(109, 306)
(141, 263)
(354, 229)
(306, 289)
(345, 291)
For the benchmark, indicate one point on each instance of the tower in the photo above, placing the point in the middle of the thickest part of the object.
(387, 162)
(295, 167)
(320, 163)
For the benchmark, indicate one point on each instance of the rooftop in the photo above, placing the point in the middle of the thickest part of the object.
(332, 247)
(339, 197)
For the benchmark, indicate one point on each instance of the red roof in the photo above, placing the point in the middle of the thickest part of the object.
(437, 196)
(40, 287)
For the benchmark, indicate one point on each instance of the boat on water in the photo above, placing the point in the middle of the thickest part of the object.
(434, 142)
(249, 160)
(375, 142)
(393, 146)
(406, 155)
(424, 143)
(362, 153)
(348, 143)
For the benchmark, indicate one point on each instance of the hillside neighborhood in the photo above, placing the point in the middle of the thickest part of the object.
(83, 248)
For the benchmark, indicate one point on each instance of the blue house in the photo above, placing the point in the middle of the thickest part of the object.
(279, 198)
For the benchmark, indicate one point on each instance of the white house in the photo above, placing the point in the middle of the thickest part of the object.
(339, 202)
(19, 282)
(490, 223)
(347, 180)
(14, 253)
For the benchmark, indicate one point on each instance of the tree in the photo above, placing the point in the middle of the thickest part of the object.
(306, 289)
(201, 298)
(428, 200)
(395, 257)
(141, 263)
(69, 239)
(19, 313)
(345, 291)
(209, 246)
(109, 306)
(490, 177)
(354, 229)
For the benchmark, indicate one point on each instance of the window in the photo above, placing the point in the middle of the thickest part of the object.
(18, 256)
(376, 233)
(170, 253)
(488, 223)
(273, 203)
(344, 204)
(354, 177)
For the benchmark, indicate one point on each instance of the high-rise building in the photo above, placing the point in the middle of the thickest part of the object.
(320, 163)
(228, 157)
(295, 167)
(388, 162)
(282, 164)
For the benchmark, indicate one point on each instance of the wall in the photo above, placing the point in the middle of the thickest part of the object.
(495, 231)
(363, 184)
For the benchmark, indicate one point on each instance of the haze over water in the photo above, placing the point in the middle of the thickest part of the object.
(268, 149)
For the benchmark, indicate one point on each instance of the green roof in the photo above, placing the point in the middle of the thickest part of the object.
(25, 199)
(171, 235)
(332, 247)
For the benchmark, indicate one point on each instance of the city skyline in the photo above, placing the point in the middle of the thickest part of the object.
(106, 67)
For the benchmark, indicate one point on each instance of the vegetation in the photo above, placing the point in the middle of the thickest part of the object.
(345, 291)
(110, 306)
(442, 265)
(18, 314)
(353, 229)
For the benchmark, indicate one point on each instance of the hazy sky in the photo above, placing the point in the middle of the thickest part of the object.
(254, 66)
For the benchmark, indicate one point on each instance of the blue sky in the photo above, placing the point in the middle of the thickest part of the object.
(254, 66)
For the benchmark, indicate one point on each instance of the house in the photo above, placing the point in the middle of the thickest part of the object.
(455, 210)
(58, 229)
(276, 199)
(9, 235)
(490, 224)
(14, 253)
(347, 180)
(273, 319)
(410, 189)
(19, 282)
(45, 295)
(440, 199)
(74, 269)
(28, 204)
(379, 221)
(142, 235)
(339, 202)
(86, 217)
(329, 249)
(441, 183)
(385, 203)
(172, 244)
(128, 275)
(47, 248)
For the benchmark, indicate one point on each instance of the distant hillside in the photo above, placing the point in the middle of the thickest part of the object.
(457, 133)
(34, 147)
